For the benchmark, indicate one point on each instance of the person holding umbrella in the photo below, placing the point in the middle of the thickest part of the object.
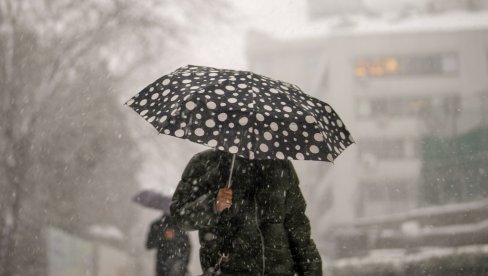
(171, 242)
(243, 195)
(256, 227)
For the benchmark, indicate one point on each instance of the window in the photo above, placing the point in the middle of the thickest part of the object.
(419, 106)
(383, 197)
(420, 65)
(386, 148)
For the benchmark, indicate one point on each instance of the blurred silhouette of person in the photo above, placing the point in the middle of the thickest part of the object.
(172, 244)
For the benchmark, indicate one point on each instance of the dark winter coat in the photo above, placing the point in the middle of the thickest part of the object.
(173, 254)
(265, 232)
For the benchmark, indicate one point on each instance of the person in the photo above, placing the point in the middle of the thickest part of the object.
(172, 244)
(257, 226)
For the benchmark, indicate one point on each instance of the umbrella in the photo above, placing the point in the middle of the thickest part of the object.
(244, 113)
(152, 199)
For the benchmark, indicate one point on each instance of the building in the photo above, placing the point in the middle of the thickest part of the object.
(393, 84)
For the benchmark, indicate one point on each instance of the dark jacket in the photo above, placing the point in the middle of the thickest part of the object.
(173, 253)
(265, 232)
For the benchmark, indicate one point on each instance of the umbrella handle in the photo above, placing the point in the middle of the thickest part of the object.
(229, 182)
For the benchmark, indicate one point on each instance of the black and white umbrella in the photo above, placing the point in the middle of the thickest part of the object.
(243, 113)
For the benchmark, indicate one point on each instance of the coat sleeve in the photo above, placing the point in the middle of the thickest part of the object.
(193, 202)
(154, 237)
(305, 254)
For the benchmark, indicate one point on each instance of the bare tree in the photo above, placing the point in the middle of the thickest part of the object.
(56, 147)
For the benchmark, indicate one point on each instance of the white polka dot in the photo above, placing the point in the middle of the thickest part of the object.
(328, 109)
(310, 103)
(293, 127)
(300, 156)
(276, 144)
(212, 143)
(211, 105)
(163, 119)
(222, 117)
(143, 102)
(166, 82)
(329, 157)
(166, 92)
(199, 132)
(351, 139)
(255, 89)
(267, 135)
(231, 125)
(318, 137)
(314, 149)
(339, 123)
(144, 112)
(179, 133)
(260, 117)
(274, 126)
(186, 81)
(151, 119)
(232, 100)
(190, 105)
(219, 92)
(310, 119)
(263, 148)
(274, 91)
(130, 102)
(243, 121)
(154, 96)
(230, 88)
(233, 149)
(326, 120)
(287, 109)
(213, 74)
(241, 85)
(174, 98)
(267, 107)
(280, 155)
(210, 123)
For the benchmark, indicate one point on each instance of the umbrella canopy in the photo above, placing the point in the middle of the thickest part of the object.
(243, 113)
(152, 199)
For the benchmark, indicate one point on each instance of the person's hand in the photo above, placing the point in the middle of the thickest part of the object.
(224, 200)
(169, 234)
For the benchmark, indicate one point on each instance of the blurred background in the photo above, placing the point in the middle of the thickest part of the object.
(408, 77)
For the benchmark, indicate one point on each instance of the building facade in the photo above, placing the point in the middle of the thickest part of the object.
(392, 88)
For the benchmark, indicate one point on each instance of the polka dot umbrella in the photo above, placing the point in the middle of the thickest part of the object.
(243, 113)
